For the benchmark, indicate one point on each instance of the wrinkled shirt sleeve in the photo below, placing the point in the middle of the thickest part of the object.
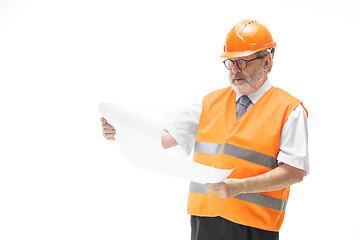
(182, 124)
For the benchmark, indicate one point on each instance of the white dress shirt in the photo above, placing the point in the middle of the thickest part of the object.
(183, 124)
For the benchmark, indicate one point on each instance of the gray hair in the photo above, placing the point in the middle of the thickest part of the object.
(265, 53)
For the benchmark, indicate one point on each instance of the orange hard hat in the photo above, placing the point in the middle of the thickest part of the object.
(246, 38)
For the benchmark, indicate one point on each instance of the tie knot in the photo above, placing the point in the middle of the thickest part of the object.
(244, 100)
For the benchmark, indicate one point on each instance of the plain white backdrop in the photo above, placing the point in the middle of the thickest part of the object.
(59, 179)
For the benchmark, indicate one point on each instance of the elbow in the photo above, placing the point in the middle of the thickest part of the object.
(167, 141)
(163, 140)
(164, 145)
(300, 176)
(295, 175)
(300, 179)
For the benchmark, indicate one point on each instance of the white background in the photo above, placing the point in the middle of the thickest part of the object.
(59, 179)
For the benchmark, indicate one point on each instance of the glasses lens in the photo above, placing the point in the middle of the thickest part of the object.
(241, 63)
(229, 64)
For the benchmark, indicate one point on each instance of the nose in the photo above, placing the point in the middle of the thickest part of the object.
(236, 68)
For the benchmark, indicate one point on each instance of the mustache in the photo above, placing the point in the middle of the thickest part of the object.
(237, 75)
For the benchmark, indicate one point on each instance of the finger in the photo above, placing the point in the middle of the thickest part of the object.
(103, 120)
(107, 130)
(108, 126)
(109, 136)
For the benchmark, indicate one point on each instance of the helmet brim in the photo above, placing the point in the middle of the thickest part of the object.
(245, 53)
(237, 54)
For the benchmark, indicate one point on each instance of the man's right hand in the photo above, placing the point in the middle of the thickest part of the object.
(108, 130)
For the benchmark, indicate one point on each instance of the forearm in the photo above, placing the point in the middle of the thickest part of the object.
(276, 179)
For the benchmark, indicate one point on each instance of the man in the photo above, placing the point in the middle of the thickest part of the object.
(259, 130)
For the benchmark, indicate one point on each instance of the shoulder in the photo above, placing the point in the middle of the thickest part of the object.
(293, 102)
(283, 95)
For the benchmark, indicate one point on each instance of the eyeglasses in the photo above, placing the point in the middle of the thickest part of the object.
(241, 63)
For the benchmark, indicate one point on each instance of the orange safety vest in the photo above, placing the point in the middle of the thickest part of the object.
(250, 145)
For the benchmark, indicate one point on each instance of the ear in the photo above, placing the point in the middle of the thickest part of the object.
(267, 63)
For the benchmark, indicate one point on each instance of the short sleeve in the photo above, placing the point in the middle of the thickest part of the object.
(294, 141)
(182, 124)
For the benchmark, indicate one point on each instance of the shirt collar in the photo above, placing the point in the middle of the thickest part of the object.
(254, 97)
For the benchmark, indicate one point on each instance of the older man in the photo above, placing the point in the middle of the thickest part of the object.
(259, 130)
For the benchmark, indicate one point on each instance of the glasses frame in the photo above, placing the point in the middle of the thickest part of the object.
(240, 59)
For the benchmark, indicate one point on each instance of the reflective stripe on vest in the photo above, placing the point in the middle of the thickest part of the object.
(255, 198)
(250, 156)
(209, 148)
(238, 152)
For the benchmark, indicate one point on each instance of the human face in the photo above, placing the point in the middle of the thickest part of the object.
(250, 79)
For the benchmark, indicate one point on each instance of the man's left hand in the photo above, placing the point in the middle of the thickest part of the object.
(225, 189)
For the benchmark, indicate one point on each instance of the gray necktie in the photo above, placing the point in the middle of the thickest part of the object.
(242, 105)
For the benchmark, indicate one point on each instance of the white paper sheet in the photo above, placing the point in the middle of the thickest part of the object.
(138, 133)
